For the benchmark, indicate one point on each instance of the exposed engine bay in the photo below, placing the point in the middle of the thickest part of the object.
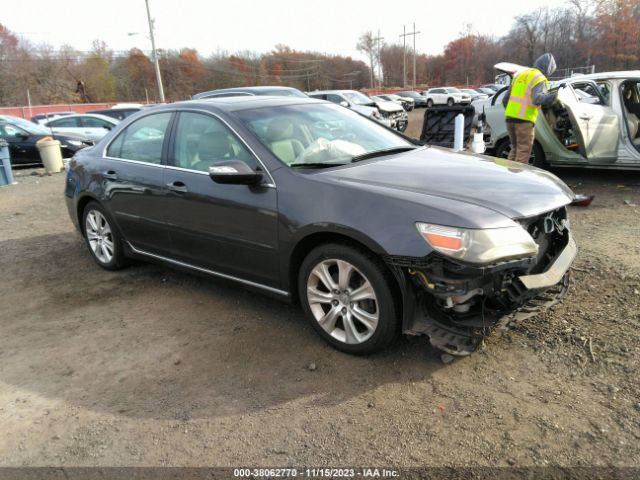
(559, 120)
(458, 304)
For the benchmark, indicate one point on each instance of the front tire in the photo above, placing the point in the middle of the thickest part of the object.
(102, 237)
(429, 103)
(347, 297)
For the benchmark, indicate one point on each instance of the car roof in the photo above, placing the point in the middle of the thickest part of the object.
(601, 75)
(92, 115)
(51, 114)
(11, 118)
(315, 92)
(231, 104)
(256, 89)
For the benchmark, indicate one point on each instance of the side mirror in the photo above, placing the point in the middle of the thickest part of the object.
(22, 135)
(234, 172)
(344, 103)
(107, 127)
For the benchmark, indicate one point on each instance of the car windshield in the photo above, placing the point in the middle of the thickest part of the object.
(357, 98)
(452, 90)
(411, 94)
(32, 128)
(319, 135)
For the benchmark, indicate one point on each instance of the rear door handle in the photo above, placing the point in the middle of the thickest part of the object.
(110, 175)
(177, 186)
(584, 116)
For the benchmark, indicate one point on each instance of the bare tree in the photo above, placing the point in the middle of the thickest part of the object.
(367, 45)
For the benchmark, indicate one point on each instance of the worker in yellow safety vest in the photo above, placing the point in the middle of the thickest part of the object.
(528, 92)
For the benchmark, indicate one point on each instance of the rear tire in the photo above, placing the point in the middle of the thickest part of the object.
(102, 237)
(537, 158)
(450, 102)
(347, 297)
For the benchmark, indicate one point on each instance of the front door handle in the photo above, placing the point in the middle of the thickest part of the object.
(110, 175)
(584, 116)
(177, 186)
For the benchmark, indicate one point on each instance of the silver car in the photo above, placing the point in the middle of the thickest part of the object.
(91, 125)
(595, 122)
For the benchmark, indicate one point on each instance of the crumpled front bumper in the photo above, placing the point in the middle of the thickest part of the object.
(458, 305)
(553, 275)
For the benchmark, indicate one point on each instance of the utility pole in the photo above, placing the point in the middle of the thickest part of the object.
(414, 33)
(378, 39)
(404, 56)
(155, 55)
(404, 36)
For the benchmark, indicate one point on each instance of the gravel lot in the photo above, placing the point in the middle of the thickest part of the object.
(150, 366)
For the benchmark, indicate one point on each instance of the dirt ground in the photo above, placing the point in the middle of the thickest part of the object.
(150, 366)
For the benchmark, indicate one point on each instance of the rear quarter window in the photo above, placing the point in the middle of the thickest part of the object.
(142, 140)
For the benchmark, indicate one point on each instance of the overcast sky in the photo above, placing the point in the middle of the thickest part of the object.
(330, 26)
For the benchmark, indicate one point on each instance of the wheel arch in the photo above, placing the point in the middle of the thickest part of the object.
(360, 242)
(505, 138)
(81, 205)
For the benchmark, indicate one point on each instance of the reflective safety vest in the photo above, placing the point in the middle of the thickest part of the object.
(520, 103)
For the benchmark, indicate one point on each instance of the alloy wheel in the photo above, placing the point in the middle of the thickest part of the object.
(99, 236)
(343, 301)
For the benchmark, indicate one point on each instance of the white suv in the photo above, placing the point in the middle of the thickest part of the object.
(446, 96)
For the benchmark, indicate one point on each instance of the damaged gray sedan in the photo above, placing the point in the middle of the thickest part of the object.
(310, 202)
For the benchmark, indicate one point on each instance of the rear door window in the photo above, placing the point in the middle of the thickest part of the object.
(334, 98)
(64, 123)
(92, 122)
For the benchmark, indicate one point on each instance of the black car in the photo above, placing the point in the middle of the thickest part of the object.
(419, 100)
(22, 135)
(276, 91)
(308, 201)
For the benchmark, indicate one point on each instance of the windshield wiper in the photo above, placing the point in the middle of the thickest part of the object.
(381, 153)
(316, 165)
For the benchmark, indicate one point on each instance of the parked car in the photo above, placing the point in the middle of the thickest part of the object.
(119, 112)
(446, 96)
(22, 136)
(45, 117)
(595, 123)
(418, 99)
(492, 86)
(407, 103)
(392, 111)
(356, 101)
(310, 202)
(277, 91)
(475, 94)
(91, 125)
(488, 91)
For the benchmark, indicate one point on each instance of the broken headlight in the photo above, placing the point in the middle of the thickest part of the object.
(479, 245)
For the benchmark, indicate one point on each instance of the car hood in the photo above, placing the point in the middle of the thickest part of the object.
(389, 106)
(364, 109)
(511, 69)
(509, 188)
